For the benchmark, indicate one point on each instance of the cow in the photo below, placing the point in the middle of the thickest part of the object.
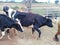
(6, 22)
(10, 13)
(58, 32)
(26, 19)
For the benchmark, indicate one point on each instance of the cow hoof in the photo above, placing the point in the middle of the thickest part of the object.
(56, 39)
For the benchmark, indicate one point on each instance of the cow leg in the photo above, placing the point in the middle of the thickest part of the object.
(56, 37)
(3, 34)
(8, 31)
(36, 28)
(8, 35)
(33, 30)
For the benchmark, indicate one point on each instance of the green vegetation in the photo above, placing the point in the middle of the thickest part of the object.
(15, 7)
(39, 11)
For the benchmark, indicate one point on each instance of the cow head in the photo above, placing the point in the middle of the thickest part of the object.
(17, 26)
(49, 23)
(5, 8)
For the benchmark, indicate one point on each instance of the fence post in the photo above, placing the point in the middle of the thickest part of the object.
(28, 5)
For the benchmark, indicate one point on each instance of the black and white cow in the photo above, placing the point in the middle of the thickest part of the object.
(6, 22)
(28, 19)
(10, 13)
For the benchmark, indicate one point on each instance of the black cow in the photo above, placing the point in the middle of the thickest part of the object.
(6, 22)
(36, 20)
(28, 19)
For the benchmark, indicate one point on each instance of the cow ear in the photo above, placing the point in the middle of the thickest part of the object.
(46, 17)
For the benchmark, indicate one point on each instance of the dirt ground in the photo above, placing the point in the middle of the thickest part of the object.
(26, 38)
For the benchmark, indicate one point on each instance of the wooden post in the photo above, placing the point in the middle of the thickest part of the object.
(28, 5)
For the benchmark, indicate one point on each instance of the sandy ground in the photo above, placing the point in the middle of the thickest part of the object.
(26, 38)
